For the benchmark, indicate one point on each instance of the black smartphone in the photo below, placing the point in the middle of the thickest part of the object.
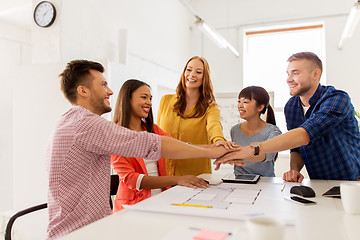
(300, 200)
(333, 192)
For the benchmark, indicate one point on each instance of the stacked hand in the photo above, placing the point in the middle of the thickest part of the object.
(220, 148)
(236, 156)
(225, 144)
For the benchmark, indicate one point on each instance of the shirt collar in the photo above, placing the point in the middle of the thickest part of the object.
(316, 95)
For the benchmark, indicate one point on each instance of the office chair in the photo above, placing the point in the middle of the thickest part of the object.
(114, 183)
(19, 214)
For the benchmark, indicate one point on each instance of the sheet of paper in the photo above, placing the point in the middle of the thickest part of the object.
(227, 201)
(204, 197)
(245, 197)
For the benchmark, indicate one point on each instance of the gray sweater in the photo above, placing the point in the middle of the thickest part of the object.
(264, 168)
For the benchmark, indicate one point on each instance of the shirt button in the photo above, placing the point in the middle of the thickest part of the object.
(140, 195)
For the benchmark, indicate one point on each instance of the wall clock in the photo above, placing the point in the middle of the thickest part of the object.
(44, 14)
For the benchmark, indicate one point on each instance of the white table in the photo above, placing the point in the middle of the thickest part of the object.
(325, 220)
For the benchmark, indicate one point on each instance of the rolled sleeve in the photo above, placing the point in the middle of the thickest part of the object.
(331, 112)
(138, 181)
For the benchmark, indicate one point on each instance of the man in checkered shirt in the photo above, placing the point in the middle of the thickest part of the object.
(79, 150)
(323, 132)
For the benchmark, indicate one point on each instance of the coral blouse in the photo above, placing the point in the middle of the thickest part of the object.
(129, 169)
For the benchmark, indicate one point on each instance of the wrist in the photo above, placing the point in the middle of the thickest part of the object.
(176, 180)
(209, 152)
(256, 148)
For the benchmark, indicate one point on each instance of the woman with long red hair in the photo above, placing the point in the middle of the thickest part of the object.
(191, 115)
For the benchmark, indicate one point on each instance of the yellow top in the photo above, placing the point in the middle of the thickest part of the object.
(201, 130)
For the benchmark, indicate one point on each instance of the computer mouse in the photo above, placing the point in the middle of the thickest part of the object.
(303, 191)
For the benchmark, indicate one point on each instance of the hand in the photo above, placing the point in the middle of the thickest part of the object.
(218, 151)
(237, 162)
(191, 181)
(236, 157)
(293, 176)
(225, 144)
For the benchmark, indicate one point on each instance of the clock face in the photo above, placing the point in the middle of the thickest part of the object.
(44, 14)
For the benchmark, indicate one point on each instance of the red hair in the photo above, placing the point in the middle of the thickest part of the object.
(206, 91)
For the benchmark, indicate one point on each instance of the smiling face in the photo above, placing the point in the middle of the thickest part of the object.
(303, 77)
(99, 93)
(141, 102)
(194, 74)
(248, 108)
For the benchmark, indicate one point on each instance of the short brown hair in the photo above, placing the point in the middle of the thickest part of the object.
(308, 56)
(76, 73)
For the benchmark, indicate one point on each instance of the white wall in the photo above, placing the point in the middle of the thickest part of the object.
(156, 47)
(37, 105)
(15, 50)
(146, 40)
(33, 101)
(231, 17)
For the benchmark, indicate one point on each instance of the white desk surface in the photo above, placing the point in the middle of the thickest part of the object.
(325, 220)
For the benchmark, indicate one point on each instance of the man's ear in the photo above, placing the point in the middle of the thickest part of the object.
(317, 73)
(82, 91)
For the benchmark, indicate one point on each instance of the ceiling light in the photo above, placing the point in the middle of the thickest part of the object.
(351, 23)
(209, 31)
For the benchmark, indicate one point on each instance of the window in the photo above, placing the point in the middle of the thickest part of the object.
(266, 52)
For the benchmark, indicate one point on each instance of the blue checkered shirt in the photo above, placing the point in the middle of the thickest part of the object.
(334, 148)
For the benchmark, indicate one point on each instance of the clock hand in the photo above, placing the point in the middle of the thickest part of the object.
(45, 14)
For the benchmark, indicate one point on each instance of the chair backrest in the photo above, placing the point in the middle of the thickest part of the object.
(19, 214)
(113, 190)
(114, 184)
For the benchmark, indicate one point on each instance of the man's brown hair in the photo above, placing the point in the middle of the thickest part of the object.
(76, 73)
(308, 56)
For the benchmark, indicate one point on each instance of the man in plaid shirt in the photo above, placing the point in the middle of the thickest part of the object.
(323, 132)
(79, 150)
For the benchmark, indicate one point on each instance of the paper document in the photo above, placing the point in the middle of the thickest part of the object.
(223, 197)
(226, 200)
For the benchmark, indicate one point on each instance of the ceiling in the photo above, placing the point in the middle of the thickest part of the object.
(16, 12)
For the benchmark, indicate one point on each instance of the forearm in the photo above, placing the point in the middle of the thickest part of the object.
(296, 162)
(203, 145)
(292, 139)
(259, 158)
(152, 182)
(175, 149)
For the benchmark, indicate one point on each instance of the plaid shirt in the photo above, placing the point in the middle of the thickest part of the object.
(78, 162)
(334, 148)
